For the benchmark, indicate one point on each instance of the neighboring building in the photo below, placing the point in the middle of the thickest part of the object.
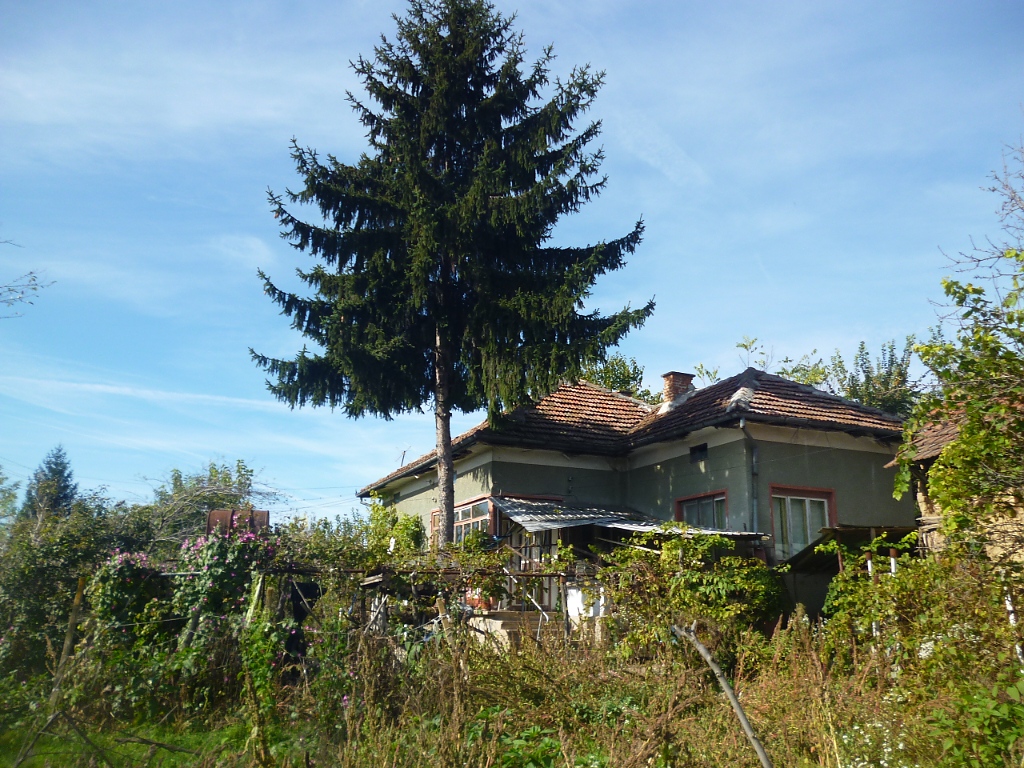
(1003, 536)
(766, 460)
(928, 445)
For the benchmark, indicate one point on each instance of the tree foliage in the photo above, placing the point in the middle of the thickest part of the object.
(8, 498)
(181, 505)
(884, 383)
(979, 477)
(436, 280)
(620, 374)
(52, 488)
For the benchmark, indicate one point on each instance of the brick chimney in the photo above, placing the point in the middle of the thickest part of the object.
(676, 384)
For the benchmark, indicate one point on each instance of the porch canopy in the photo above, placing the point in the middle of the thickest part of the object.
(535, 515)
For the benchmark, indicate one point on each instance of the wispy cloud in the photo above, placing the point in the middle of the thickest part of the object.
(50, 392)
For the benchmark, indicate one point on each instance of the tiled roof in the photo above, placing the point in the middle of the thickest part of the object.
(932, 438)
(763, 397)
(576, 418)
(587, 419)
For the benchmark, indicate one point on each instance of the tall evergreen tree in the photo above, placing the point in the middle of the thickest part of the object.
(52, 488)
(436, 281)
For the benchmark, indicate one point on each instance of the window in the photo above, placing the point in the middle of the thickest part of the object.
(698, 453)
(469, 517)
(474, 517)
(799, 516)
(706, 512)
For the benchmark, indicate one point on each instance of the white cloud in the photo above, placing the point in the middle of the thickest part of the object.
(651, 143)
(243, 250)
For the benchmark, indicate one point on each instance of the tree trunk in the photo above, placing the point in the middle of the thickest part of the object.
(445, 464)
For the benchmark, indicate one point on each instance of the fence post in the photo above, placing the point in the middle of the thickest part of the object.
(69, 641)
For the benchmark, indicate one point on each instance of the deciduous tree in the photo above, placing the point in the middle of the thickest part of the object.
(979, 477)
(437, 281)
(621, 374)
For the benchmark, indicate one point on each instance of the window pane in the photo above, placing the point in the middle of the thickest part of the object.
(707, 513)
(797, 524)
(480, 510)
(690, 514)
(816, 518)
(720, 514)
(780, 516)
(458, 535)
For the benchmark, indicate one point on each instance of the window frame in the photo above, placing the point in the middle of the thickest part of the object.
(483, 521)
(723, 494)
(779, 527)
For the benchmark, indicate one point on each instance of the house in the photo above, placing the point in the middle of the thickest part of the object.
(770, 462)
(928, 444)
(1003, 534)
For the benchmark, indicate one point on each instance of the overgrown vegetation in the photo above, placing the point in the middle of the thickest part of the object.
(225, 651)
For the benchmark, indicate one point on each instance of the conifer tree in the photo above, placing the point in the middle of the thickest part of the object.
(436, 279)
(52, 488)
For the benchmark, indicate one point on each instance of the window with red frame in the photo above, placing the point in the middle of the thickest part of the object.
(799, 517)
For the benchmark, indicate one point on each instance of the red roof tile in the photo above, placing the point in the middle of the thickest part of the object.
(932, 438)
(576, 418)
(587, 419)
(763, 397)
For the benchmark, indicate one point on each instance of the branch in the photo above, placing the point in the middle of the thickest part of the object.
(690, 634)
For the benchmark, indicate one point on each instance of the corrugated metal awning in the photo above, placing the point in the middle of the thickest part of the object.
(536, 515)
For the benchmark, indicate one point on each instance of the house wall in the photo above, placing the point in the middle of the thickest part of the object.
(861, 483)
(419, 496)
(654, 478)
(579, 485)
(658, 479)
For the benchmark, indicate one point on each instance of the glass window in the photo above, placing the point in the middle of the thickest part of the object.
(706, 512)
(474, 517)
(799, 519)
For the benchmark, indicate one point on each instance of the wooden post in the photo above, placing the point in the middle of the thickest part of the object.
(690, 634)
(69, 641)
(564, 594)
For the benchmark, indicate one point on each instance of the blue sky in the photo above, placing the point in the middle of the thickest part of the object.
(799, 166)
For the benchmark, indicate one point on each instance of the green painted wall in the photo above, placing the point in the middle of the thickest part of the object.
(653, 489)
(862, 484)
(581, 486)
(468, 485)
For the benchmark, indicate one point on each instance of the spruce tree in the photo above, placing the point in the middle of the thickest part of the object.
(436, 280)
(52, 488)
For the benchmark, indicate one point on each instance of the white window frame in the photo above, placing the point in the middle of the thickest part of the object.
(784, 516)
(475, 516)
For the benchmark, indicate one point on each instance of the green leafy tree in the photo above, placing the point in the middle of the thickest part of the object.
(52, 488)
(8, 498)
(620, 374)
(181, 505)
(40, 562)
(390, 536)
(885, 384)
(979, 477)
(436, 280)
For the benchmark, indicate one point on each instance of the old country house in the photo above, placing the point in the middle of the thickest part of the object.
(775, 464)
